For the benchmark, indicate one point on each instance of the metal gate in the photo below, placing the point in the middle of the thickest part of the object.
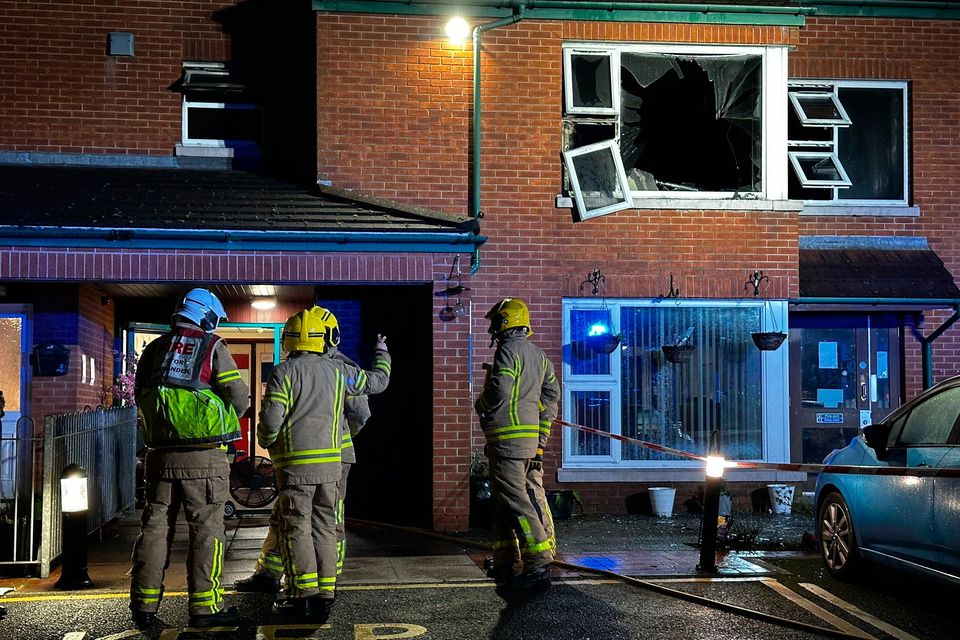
(103, 441)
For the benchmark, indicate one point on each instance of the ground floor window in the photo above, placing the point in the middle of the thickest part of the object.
(710, 378)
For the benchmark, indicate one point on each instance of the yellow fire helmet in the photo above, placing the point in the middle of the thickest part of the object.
(306, 331)
(333, 327)
(509, 313)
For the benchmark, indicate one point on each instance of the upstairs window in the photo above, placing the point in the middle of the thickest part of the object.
(847, 142)
(680, 121)
(218, 110)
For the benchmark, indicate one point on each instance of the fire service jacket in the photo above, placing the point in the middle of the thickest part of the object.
(302, 413)
(188, 390)
(519, 399)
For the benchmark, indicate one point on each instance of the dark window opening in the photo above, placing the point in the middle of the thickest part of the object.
(591, 81)
(227, 124)
(871, 149)
(691, 123)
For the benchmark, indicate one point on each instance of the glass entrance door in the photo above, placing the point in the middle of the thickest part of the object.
(845, 374)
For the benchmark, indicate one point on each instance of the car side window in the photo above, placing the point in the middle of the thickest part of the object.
(932, 421)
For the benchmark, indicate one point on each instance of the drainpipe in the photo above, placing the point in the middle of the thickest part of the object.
(926, 356)
(478, 32)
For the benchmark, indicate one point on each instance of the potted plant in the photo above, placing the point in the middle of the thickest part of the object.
(480, 491)
(681, 349)
(562, 503)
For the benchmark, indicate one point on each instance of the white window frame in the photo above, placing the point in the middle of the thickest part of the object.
(775, 400)
(773, 106)
(614, 149)
(807, 181)
(211, 142)
(569, 107)
(797, 98)
(819, 85)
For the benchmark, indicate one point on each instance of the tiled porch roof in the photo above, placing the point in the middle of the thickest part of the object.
(122, 199)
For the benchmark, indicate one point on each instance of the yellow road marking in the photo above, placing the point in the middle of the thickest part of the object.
(349, 587)
(817, 610)
(859, 613)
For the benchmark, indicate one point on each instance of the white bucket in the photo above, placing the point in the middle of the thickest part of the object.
(781, 497)
(661, 499)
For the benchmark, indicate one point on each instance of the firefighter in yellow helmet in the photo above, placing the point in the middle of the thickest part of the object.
(356, 411)
(300, 423)
(189, 394)
(516, 407)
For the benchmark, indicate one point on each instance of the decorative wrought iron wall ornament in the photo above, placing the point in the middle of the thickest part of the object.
(458, 310)
(672, 293)
(600, 338)
(755, 281)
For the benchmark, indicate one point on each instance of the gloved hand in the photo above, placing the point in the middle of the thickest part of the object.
(536, 463)
(381, 342)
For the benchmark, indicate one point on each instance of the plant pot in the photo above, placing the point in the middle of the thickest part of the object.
(768, 340)
(781, 497)
(604, 343)
(661, 500)
(677, 353)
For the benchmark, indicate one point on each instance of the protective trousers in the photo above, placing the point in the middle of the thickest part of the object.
(341, 524)
(269, 560)
(539, 497)
(202, 500)
(517, 526)
(307, 536)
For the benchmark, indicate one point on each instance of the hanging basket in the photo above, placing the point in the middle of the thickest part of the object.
(677, 353)
(768, 340)
(604, 343)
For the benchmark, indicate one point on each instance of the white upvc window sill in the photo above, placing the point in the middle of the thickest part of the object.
(666, 474)
(702, 204)
(859, 210)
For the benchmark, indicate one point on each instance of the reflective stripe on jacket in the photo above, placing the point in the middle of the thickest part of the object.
(302, 412)
(519, 398)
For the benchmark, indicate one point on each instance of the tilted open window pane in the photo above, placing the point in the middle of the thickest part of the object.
(598, 180)
(819, 108)
(589, 87)
(818, 169)
(222, 124)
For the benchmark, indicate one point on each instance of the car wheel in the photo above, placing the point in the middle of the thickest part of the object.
(229, 510)
(838, 544)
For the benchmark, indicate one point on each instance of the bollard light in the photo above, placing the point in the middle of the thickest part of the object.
(715, 465)
(711, 511)
(74, 505)
(73, 489)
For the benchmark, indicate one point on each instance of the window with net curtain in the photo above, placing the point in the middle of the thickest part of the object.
(677, 405)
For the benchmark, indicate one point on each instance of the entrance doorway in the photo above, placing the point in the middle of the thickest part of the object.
(845, 373)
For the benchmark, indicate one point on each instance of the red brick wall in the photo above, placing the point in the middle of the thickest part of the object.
(63, 94)
(911, 50)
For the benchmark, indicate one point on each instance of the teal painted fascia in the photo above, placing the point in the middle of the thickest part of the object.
(916, 10)
(748, 15)
(315, 242)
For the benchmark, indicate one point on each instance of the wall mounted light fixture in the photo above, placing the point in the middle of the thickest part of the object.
(263, 303)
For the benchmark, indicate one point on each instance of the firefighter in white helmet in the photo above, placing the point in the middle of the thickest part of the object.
(516, 407)
(356, 411)
(300, 423)
(189, 394)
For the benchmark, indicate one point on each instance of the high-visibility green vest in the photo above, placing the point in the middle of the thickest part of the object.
(182, 409)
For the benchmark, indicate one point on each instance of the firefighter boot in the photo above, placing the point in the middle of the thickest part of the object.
(224, 618)
(259, 582)
(534, 580)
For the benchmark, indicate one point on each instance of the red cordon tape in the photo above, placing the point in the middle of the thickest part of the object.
(920, 472)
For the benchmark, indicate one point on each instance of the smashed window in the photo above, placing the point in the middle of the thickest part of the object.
(219, 110)
(687, 120)
(847, 141)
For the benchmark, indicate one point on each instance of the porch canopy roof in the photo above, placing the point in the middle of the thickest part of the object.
(71, 206)
(879, 270)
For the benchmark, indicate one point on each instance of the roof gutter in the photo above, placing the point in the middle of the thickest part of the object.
(926, 342)
(234, 240)
(610, 10)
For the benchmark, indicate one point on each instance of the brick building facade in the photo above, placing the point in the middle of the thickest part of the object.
(390, 115)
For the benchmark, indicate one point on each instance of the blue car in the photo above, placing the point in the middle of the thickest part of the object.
(906, 519)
